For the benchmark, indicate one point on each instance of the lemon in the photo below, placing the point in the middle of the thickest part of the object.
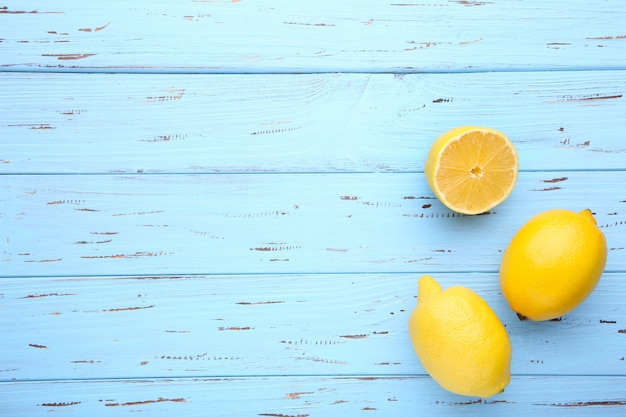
(459, 340)
(471, 169)
(553, 263)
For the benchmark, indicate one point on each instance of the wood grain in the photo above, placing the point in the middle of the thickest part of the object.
(273, 325)
(217, 207)
(276, 223)
(98, 123)
(266, 36)
(312, 396)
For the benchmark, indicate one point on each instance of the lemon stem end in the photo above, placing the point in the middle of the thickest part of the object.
(427, 287)
(587, 214)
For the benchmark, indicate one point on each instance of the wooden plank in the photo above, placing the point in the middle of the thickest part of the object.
(98, 123)
(217, 207)
(324, 36)
(275, 223)
(302, 396)
(272, 325)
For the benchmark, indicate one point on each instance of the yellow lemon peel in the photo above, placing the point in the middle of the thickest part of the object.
(553, 263)
(459, 340)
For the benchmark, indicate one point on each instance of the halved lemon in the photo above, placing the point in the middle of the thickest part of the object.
(471, 169)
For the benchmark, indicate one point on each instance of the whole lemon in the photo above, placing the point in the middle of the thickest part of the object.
(553, 263)
(459, 340)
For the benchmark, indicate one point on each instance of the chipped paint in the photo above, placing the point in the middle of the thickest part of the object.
(73, 112)
(146, 402)
(548, 189)
(310, 24)
(607, 38)
(43, 260)
(472, 41)
(276, 213)
(471, 3)
(97, 29)
(245, 303)
(67, 57)
(235, 328)
(85, 242)
(279, 414)
(587, 98)
(126, 256)
(36, 346)
(35, 126)
(118, 310)
(273, 131)
(567, 143)
(165, 138)
(137, 213)
(172, 94)
(275, 248)
(47, 295)
(6, 10)
(553, 180)
(321, 360)
(297, 395)
(313, 342)
(608, 403)
(63, 404)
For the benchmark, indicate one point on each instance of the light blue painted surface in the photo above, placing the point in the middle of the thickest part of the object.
(184, 233)
(323, 36)
(276, 223)
(302, 123)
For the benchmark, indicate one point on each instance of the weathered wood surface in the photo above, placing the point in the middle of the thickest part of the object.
(311, 396)
(273, 325)
(324, 36)
(277, 223)
(101, 123)
(218, 207)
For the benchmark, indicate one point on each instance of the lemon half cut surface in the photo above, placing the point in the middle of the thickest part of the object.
(471, 169)
(460, 340)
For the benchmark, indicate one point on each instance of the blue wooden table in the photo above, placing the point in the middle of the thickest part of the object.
(214, 207)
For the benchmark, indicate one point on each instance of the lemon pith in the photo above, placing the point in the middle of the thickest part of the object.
(471, 169)
(459, 340)
(553, 263)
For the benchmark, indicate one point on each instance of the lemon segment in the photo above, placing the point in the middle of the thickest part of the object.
(471, 169)
(553, 263)
(459, 340)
